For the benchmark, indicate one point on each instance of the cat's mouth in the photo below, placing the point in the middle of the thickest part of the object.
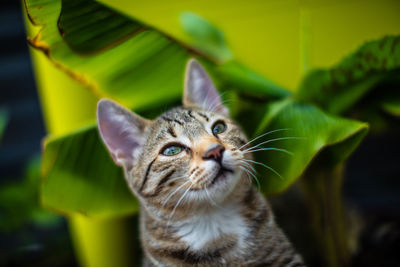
(221, 174)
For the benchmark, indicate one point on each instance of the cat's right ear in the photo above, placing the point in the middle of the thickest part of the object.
(122, 132)
(200, 91)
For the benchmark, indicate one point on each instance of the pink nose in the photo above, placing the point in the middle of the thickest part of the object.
(214, 152)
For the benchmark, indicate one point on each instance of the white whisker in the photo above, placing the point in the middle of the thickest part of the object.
(215, 106)
(173, 193)
(269, 148)
(266, 166)
(249, 172)
(273, 140)
(248, 176)
(176, 178)
(249, 165)
(179, 202)
(210, 198)
(267, 133)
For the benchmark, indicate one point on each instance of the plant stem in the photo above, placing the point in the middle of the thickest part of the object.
(103, 243)
(323, 187)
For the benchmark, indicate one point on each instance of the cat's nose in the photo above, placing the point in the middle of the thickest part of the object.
(214, 152)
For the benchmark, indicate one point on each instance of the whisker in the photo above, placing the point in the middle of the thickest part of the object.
(210, 198)
(213, 104)
(249, 165)
(248, 177)
(177, 204)
(275, 139)
(264, 134)
(216, 104)
(173, 193)
(266, 166)
(248, 172)
(269, 148)
(176, 178)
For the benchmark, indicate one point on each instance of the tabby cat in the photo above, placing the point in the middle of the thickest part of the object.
(187, 168)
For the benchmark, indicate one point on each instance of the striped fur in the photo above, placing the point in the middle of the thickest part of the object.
(196, 210)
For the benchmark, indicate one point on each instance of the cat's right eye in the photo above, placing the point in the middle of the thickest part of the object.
(172, 150)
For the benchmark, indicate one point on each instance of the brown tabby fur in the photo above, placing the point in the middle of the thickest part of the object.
(179, 194)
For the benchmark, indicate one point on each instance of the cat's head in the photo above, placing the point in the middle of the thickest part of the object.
(191, 152)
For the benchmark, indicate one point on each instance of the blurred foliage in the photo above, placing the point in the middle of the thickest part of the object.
(136, 65)
(146, 68)
(205, 37)
(81, 178)
(392, 106)
(19, 201)
(149, 75)
(119, 57)
(339, 88)
(73, 160)
(89, 28)
(3, 121)
(306, 132)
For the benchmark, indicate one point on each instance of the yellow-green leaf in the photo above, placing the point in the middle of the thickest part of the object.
(79, 176)
(304, 131)
(339, 88)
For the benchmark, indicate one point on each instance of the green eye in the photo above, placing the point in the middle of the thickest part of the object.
(172, 150)
(218, 127)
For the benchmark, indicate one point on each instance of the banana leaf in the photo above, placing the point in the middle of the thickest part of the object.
(117, 56)
(392, 107)
(299, 133)
(3, 121)
(124, 60)
(339, 88)
(80, 177)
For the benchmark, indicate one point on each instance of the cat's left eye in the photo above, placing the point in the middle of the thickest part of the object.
(172, 150)
(218, 127)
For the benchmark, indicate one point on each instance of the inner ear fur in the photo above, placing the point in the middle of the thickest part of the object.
(122, 131)
(200, 91)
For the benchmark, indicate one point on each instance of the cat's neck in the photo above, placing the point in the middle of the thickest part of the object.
(222, 222)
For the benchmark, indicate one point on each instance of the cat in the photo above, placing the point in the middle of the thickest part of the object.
(197, 205)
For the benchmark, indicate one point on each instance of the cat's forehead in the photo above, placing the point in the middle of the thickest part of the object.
(187, 121)
(180, 114)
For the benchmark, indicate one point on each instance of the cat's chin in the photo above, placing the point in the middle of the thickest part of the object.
(222, 174)
(222, 184)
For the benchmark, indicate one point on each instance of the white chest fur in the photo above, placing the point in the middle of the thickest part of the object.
(200, 229)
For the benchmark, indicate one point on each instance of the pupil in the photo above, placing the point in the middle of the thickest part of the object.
(218, 128)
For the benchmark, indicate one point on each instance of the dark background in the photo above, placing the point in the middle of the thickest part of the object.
(371, 187)
(30, 244)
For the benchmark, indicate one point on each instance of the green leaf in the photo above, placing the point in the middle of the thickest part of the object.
(337, 89)
(390, 101)
(135, 65)
(80, 177)
(392, 107)
(304, 133)
(205, 37)
(128, 61)
(240, 78)
(88, 27)
(3, 121)
(19, 201)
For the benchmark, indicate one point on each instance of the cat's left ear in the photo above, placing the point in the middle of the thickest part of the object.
(200, 91)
